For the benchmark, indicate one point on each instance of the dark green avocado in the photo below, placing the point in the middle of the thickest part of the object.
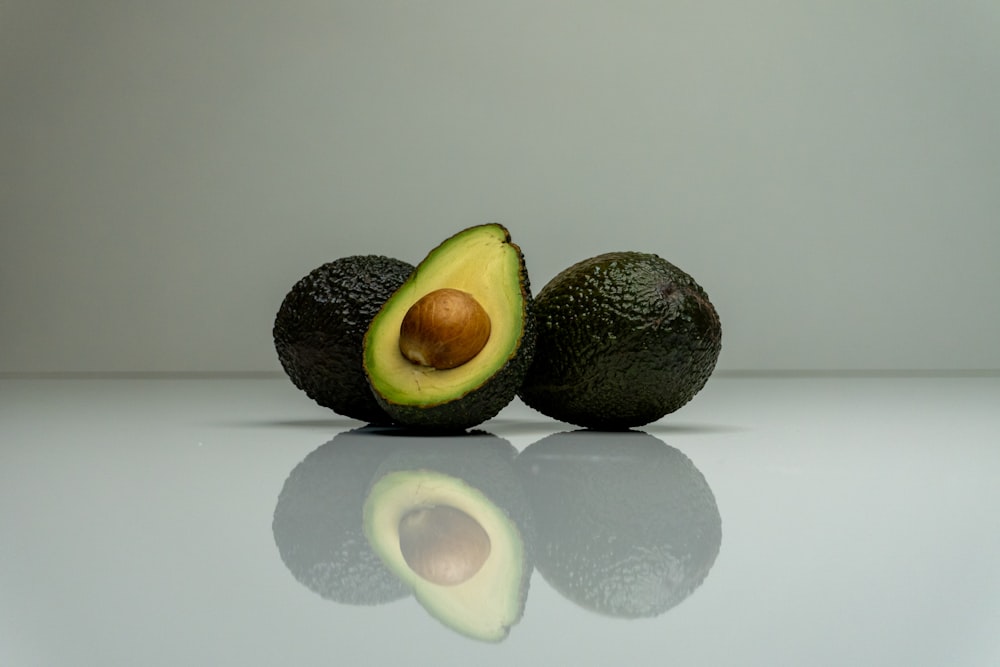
(626, 525)
(317, 521)
(449, 516)
(320, 326)
(624, 338)
(451, 346)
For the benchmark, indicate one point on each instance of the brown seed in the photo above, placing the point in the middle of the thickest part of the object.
(442, 544)
(444, 329)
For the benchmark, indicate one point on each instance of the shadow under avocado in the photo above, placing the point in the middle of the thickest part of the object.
(618, 523)
(626, 525)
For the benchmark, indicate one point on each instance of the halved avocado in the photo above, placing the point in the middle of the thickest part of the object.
(425, 355)
(449, 517)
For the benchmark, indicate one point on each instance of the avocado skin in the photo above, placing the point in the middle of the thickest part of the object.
(317, 521)
(627, 525)
(320, 327)
(624, 339)
(487, 400)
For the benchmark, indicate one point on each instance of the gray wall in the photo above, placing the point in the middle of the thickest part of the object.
(829, 171)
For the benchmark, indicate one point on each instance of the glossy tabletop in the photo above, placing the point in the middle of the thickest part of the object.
(772, 521)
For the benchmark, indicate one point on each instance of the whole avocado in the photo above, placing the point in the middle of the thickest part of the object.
(623, 339)
(320, 327)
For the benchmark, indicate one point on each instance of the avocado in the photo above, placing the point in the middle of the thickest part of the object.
(624, 338)
(449, 516)
(449, 348)
(317, 521)
(627, 526)
(321, 323)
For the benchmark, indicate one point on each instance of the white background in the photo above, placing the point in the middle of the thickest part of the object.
(829, 171)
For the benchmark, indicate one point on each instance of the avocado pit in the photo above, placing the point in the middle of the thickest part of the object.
(442, 544)
(444, 329)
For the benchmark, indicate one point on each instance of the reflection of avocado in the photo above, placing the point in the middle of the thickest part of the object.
(317, 521)
(627, 526)
(623, 339)
(450, 519)
(450, 347)
(319, 328)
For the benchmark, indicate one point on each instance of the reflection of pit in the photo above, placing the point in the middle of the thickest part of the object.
(442, 544)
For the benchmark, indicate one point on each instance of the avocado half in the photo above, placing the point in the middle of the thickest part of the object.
(317, 521)
(624, 339)
(626, 525)
(482, 263)
(449, 517)
(320, 325)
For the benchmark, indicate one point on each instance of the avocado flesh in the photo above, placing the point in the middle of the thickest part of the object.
(627, 525)
(475, 475)
(624, 339)
(320, 326)
(483, 262)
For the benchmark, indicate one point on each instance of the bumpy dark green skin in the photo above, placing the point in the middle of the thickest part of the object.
(487, 400)
(627, 526)
(623, 339)
(320, 327)
(317, 521)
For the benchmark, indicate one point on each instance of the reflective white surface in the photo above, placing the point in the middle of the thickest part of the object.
(859, 526)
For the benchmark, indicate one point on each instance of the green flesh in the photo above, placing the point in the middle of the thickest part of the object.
(484, 263)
